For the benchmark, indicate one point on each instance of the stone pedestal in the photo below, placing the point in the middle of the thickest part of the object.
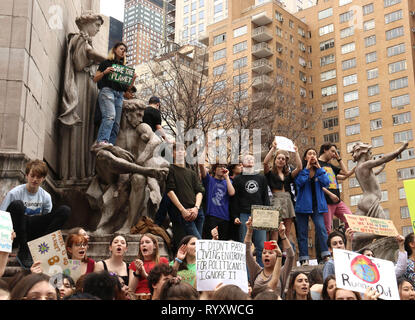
(12, 171)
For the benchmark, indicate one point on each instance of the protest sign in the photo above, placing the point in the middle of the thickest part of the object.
(122, 74)
(6, 229)
(409, 186)
(220, 262)
(357, 272)
(284, 143)
(264, 217)
(366, 224)
(50, 251)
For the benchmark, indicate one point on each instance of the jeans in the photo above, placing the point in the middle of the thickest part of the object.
(258, 237)
(320, 229)
(110, 104)
(195, 227)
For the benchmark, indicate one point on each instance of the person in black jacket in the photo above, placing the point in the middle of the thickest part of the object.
(250, 189)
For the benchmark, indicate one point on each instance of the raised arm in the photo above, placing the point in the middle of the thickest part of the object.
(386, 158)
(298, 163)
(269, 156)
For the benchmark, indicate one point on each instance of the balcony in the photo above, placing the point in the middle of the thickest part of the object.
(261, 50)
(204, 38)
(171, 10)
(261, 19)
(262, 66)
(261, 99)
(262, 82)
(261, 34)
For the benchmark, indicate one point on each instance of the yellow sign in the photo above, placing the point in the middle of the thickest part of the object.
(409, 186)
(365, 224)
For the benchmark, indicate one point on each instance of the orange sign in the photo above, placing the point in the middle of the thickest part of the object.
(382, 227)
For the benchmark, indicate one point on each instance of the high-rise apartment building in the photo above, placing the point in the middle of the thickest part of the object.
(143, 29)
(350, 62)
(363, 82)
(193, 16)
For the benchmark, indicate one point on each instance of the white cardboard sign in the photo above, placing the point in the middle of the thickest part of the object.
(284, 143)
(357, 272)
(6, 229)
(220, 262)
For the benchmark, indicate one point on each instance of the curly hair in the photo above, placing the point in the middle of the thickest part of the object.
(88, 18)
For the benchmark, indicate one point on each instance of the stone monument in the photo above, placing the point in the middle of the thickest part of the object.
(369, 205)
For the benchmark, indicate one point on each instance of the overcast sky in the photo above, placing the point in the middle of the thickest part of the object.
(113, 8)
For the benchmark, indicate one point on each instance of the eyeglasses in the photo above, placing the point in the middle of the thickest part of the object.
(79, 245)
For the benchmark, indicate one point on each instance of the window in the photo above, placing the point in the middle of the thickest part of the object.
(279, 32)
(325, 13)
(395, 50)
(351, 113)
(218, 8)
(351, 96)
(329, 106)
(406, 173)
(400, 101)
(377, 142)
(407, 154)
(348, 64)
(394, 33)
(331, 74)
(346, 32)
(374, 107)
(240, 95)
(221, 38)
(343, 2)
(373, 90)
(193, 19)
(371, 57)
(369, 25)
(353, 183)
(349, 80)
(219, 85)
(375, 124)
(388, 3)
(240, 31)
(372, 73)
(398, 83)
(397, 66)
(326, 44)
(393, 16)
(326, 29)
(219, 70)
(381, 177)
(240, 63)
(332, 137)
(186, 9)
(347, 16)
(384, 196)
(405, 212)
(370, 41)
(402, 136)
(407, 230)
(353, 129)
(186, 21)
(348, 47)
(367, 9)
(240, 79)
(241, 46)
(401, 118)
(354, 200)
(328, 91)
(402, 194)
(327, 60)
(201, 15)
(219, 54)
(330, 122)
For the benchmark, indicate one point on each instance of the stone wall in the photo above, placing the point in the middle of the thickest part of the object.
(32, 54)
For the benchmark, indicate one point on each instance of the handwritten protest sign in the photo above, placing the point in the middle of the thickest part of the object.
(220, 262)
(50, 251)
(357, 272)
(74, 269)
(365, 224)
(6, 229)
(284, 143)
(409, 186)
(122, 74)
(264, 217)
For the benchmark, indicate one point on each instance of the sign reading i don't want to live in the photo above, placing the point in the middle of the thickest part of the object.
(220, 262)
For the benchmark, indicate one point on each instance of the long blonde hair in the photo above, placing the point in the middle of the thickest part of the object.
(156, 255)
(111, 54)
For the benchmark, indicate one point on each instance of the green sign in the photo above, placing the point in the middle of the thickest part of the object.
(121, 74)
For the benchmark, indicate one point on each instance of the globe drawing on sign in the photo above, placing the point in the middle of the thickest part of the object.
(43, 248)
(363, 268)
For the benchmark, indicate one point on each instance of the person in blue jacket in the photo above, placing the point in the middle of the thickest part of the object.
(311, 202)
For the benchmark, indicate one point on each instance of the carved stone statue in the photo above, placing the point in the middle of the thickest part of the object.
(127, 180)
(79, 100)
(369, 205)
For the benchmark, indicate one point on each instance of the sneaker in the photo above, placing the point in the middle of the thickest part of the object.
(304, 262)
(24, 258)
